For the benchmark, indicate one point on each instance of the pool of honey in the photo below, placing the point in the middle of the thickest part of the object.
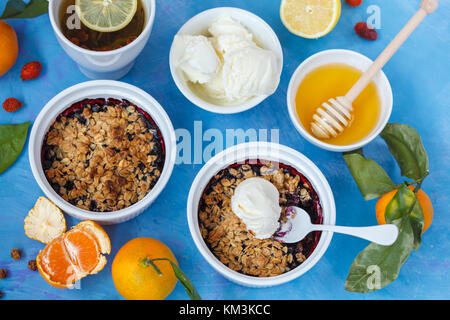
(331, 81)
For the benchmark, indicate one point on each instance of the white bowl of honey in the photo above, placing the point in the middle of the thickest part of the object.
(332, 73)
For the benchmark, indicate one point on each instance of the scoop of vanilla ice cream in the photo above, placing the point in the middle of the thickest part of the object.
(227, 43)
(215, 88)
(229, 66)
(250, 71)
(229, 34)
(227, 25)
(256, 202)
(199, 61)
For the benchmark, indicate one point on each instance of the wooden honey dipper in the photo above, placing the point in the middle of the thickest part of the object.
(333, 117)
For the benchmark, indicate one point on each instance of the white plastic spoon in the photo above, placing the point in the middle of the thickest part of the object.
(298, 227)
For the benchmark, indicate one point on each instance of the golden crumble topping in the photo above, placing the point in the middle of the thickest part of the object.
(227, 236)
(103, 155)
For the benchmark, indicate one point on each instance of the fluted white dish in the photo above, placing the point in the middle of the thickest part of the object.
(101, 89)
(264, 151)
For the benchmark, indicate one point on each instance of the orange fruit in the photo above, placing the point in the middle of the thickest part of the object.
(9, 47)
(74, 255)
(136, 280)
(422, 197)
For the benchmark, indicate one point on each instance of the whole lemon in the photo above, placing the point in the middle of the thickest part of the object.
(136, 273)
(9, 47)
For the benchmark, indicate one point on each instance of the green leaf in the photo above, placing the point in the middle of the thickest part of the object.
(187, 284)
(18, 9)
(406, 146)
(377, 266)
(405, 204)
(12, 140)
(400, 204)
(181, 276)
(417, 223)
(371, 179)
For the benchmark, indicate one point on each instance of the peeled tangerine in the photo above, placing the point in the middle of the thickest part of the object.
(74, 255)
(45, 221)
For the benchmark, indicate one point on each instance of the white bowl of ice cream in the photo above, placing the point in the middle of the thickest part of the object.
(225, 205)
(226, 60)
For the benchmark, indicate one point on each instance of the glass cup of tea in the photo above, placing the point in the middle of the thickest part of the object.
(101, 55)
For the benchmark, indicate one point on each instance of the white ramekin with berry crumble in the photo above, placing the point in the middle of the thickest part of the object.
(102, 150)
(223, 239)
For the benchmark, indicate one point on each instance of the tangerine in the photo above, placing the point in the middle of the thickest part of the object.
(9, 47)
(135, 278)
(422, 197)
(74, 255)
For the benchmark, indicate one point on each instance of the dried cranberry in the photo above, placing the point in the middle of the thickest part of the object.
(32, 265)
(15, 254)
(366, 32)
(31, 70)
(12, 105)
(3, 273)
(354, 3)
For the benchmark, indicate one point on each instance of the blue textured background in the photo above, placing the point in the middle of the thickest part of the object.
(419, 74)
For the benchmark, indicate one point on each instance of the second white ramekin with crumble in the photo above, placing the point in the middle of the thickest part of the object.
(268, 152)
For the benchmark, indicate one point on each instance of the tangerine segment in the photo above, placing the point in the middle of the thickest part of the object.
(98, 233)
(55, 264)
(82, 249)
(74, 255)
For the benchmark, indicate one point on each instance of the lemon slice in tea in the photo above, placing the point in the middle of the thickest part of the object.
(106, 15)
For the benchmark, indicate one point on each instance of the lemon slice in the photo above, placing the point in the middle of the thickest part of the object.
(310, 19)
(45, 221)
(106, 15)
